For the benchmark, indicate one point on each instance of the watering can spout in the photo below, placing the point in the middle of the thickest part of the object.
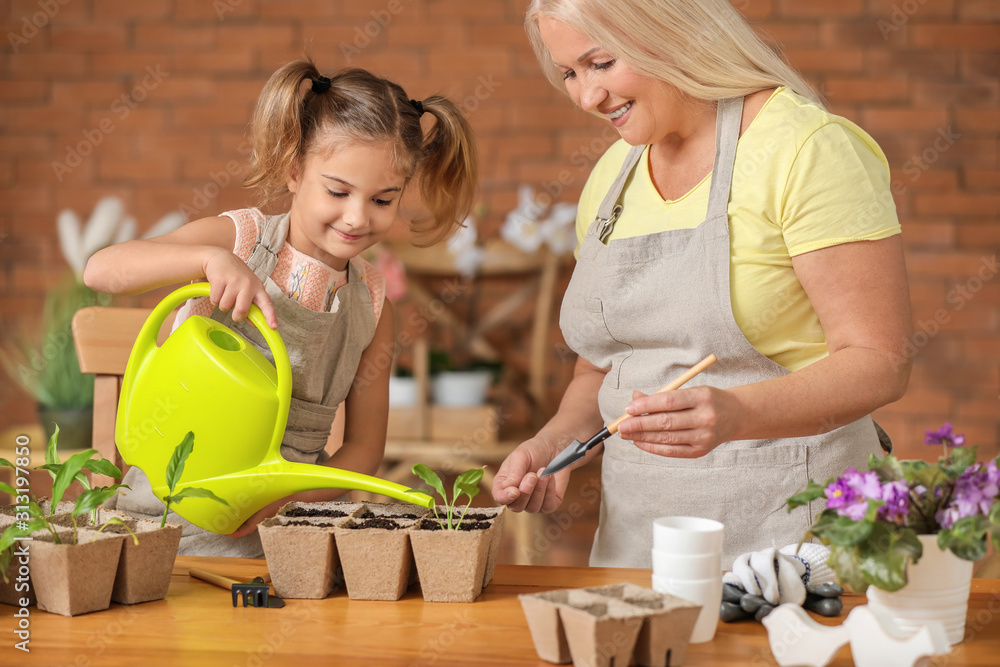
(208, 380)
(250, 490)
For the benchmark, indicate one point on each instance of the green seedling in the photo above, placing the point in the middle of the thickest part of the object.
(467, 484)
(174, 469)
(63, 475)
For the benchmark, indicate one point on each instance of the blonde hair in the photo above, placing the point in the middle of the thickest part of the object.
(355, 105)
(704, 48)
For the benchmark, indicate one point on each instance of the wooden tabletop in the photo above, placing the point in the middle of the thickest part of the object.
(197, 625)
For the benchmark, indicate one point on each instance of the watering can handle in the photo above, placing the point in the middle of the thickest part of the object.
(145, 342)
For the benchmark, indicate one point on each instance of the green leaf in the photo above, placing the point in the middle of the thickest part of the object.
(468, 483)
(8, 464)
(103, 467)
(961, 459)
(967, 537)
(51, 455)
(68, 473)
(845, 562)
(431, 479)
(175, 468)
(54, 468)
(7, 488)
(884, 556)
(807, 495)
(13, 531)
(842, 531)
(195, 492)
(887, 468)
(117, 520)
(93, 498)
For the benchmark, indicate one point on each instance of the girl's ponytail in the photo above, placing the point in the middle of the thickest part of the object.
(277, 129)
(448, 172)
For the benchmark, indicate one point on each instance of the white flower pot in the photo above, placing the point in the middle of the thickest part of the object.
(402, 392)
(937, 589)
(461, 388)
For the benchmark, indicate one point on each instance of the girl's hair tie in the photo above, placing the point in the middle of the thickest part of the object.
(321, 84)
(419, 106)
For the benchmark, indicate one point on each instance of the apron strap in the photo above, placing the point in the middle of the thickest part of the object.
(727, 134)
(263, 259)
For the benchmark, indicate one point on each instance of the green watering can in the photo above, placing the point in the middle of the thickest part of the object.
(208, 379)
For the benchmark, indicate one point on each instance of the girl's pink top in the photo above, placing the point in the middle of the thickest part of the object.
(301, 277)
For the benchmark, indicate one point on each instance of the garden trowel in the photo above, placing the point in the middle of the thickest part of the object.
(576, 450)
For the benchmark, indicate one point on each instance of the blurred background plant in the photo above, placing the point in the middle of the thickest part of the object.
(41, 357)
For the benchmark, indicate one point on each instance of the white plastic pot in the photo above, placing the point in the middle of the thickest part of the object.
(461, 388)
(402, 392)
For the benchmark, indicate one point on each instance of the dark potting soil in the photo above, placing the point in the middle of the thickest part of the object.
(376, 522)
(309, 511)
(477, 516)
(367, 514)
(432, 524)
(314, 525)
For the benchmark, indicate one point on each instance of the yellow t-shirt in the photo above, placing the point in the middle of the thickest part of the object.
(804, 179)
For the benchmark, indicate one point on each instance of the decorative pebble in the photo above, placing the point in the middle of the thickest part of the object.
(732, 593)
(752, 603)
(827, 590)
(763, 611)
(824, 606)
(730, 612)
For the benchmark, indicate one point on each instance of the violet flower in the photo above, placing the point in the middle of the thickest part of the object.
(944, 436)
(849, 493)
(976, 491)
(897, 502)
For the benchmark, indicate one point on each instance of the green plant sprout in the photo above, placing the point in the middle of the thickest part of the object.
(64, 474)
(466, 484)
(174, 469)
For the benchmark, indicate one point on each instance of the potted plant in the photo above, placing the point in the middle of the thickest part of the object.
(907, 532)
(72, 567)
(455, 551)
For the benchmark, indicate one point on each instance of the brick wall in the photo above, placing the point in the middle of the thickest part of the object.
(149, 101)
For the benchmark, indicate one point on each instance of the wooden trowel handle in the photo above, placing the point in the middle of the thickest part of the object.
(218, 579)
(675, 384)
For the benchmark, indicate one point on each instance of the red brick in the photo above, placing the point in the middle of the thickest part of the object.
(396, 65)
(307, 10)
(137, 170)
(978, 10)
(29, 199)
(903, 119)
(982, 37)
(38, 171)
(252, 37)
(181, 87)
(24, 91)
(41, 118)
(30, 65)
(987, 347)
(929, 233)
(198, 116)
(966, 93)
(483, 61)
(985, 236)
(144, 117)
(238, 61)
(861, 33)
(867, 90)
(977, 119)
(980, 66)
(826, 60)
(22, 36)
(129, 62)
(982, 179)
(117, 10)
(335, 36)
(785, 33)
(918, 64)
(98, 92)
(451, 10)
(215, 11)
(820, 8)
(943, 264)
(754, 10)
(172, 37)
(959, 204)
(67, 9)
(88, 38)
(24, 143)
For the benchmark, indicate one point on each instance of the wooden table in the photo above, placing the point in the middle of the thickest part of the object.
(197, 625)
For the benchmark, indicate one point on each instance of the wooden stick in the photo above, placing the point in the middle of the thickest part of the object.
(219, 580)
(675, 384)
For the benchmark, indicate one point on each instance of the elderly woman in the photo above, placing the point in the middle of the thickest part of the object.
(736, 216)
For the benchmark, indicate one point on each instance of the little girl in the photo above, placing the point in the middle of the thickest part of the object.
(346, 150)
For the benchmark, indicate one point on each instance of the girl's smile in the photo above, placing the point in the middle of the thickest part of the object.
(344, 201)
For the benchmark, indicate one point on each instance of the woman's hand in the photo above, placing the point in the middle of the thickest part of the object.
(519, 484)
(250, 525)
(686, 423)
(234, 287)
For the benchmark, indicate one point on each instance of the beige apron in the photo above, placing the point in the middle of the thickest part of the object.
(325, 351)
(651, 307)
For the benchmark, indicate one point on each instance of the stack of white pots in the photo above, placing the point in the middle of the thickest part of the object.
(687, 563)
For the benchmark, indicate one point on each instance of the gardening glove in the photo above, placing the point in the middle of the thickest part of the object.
(761, 580)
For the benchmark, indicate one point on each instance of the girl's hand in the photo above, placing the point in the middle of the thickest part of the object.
(519, 484)
(686, 423)
(234, 287)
